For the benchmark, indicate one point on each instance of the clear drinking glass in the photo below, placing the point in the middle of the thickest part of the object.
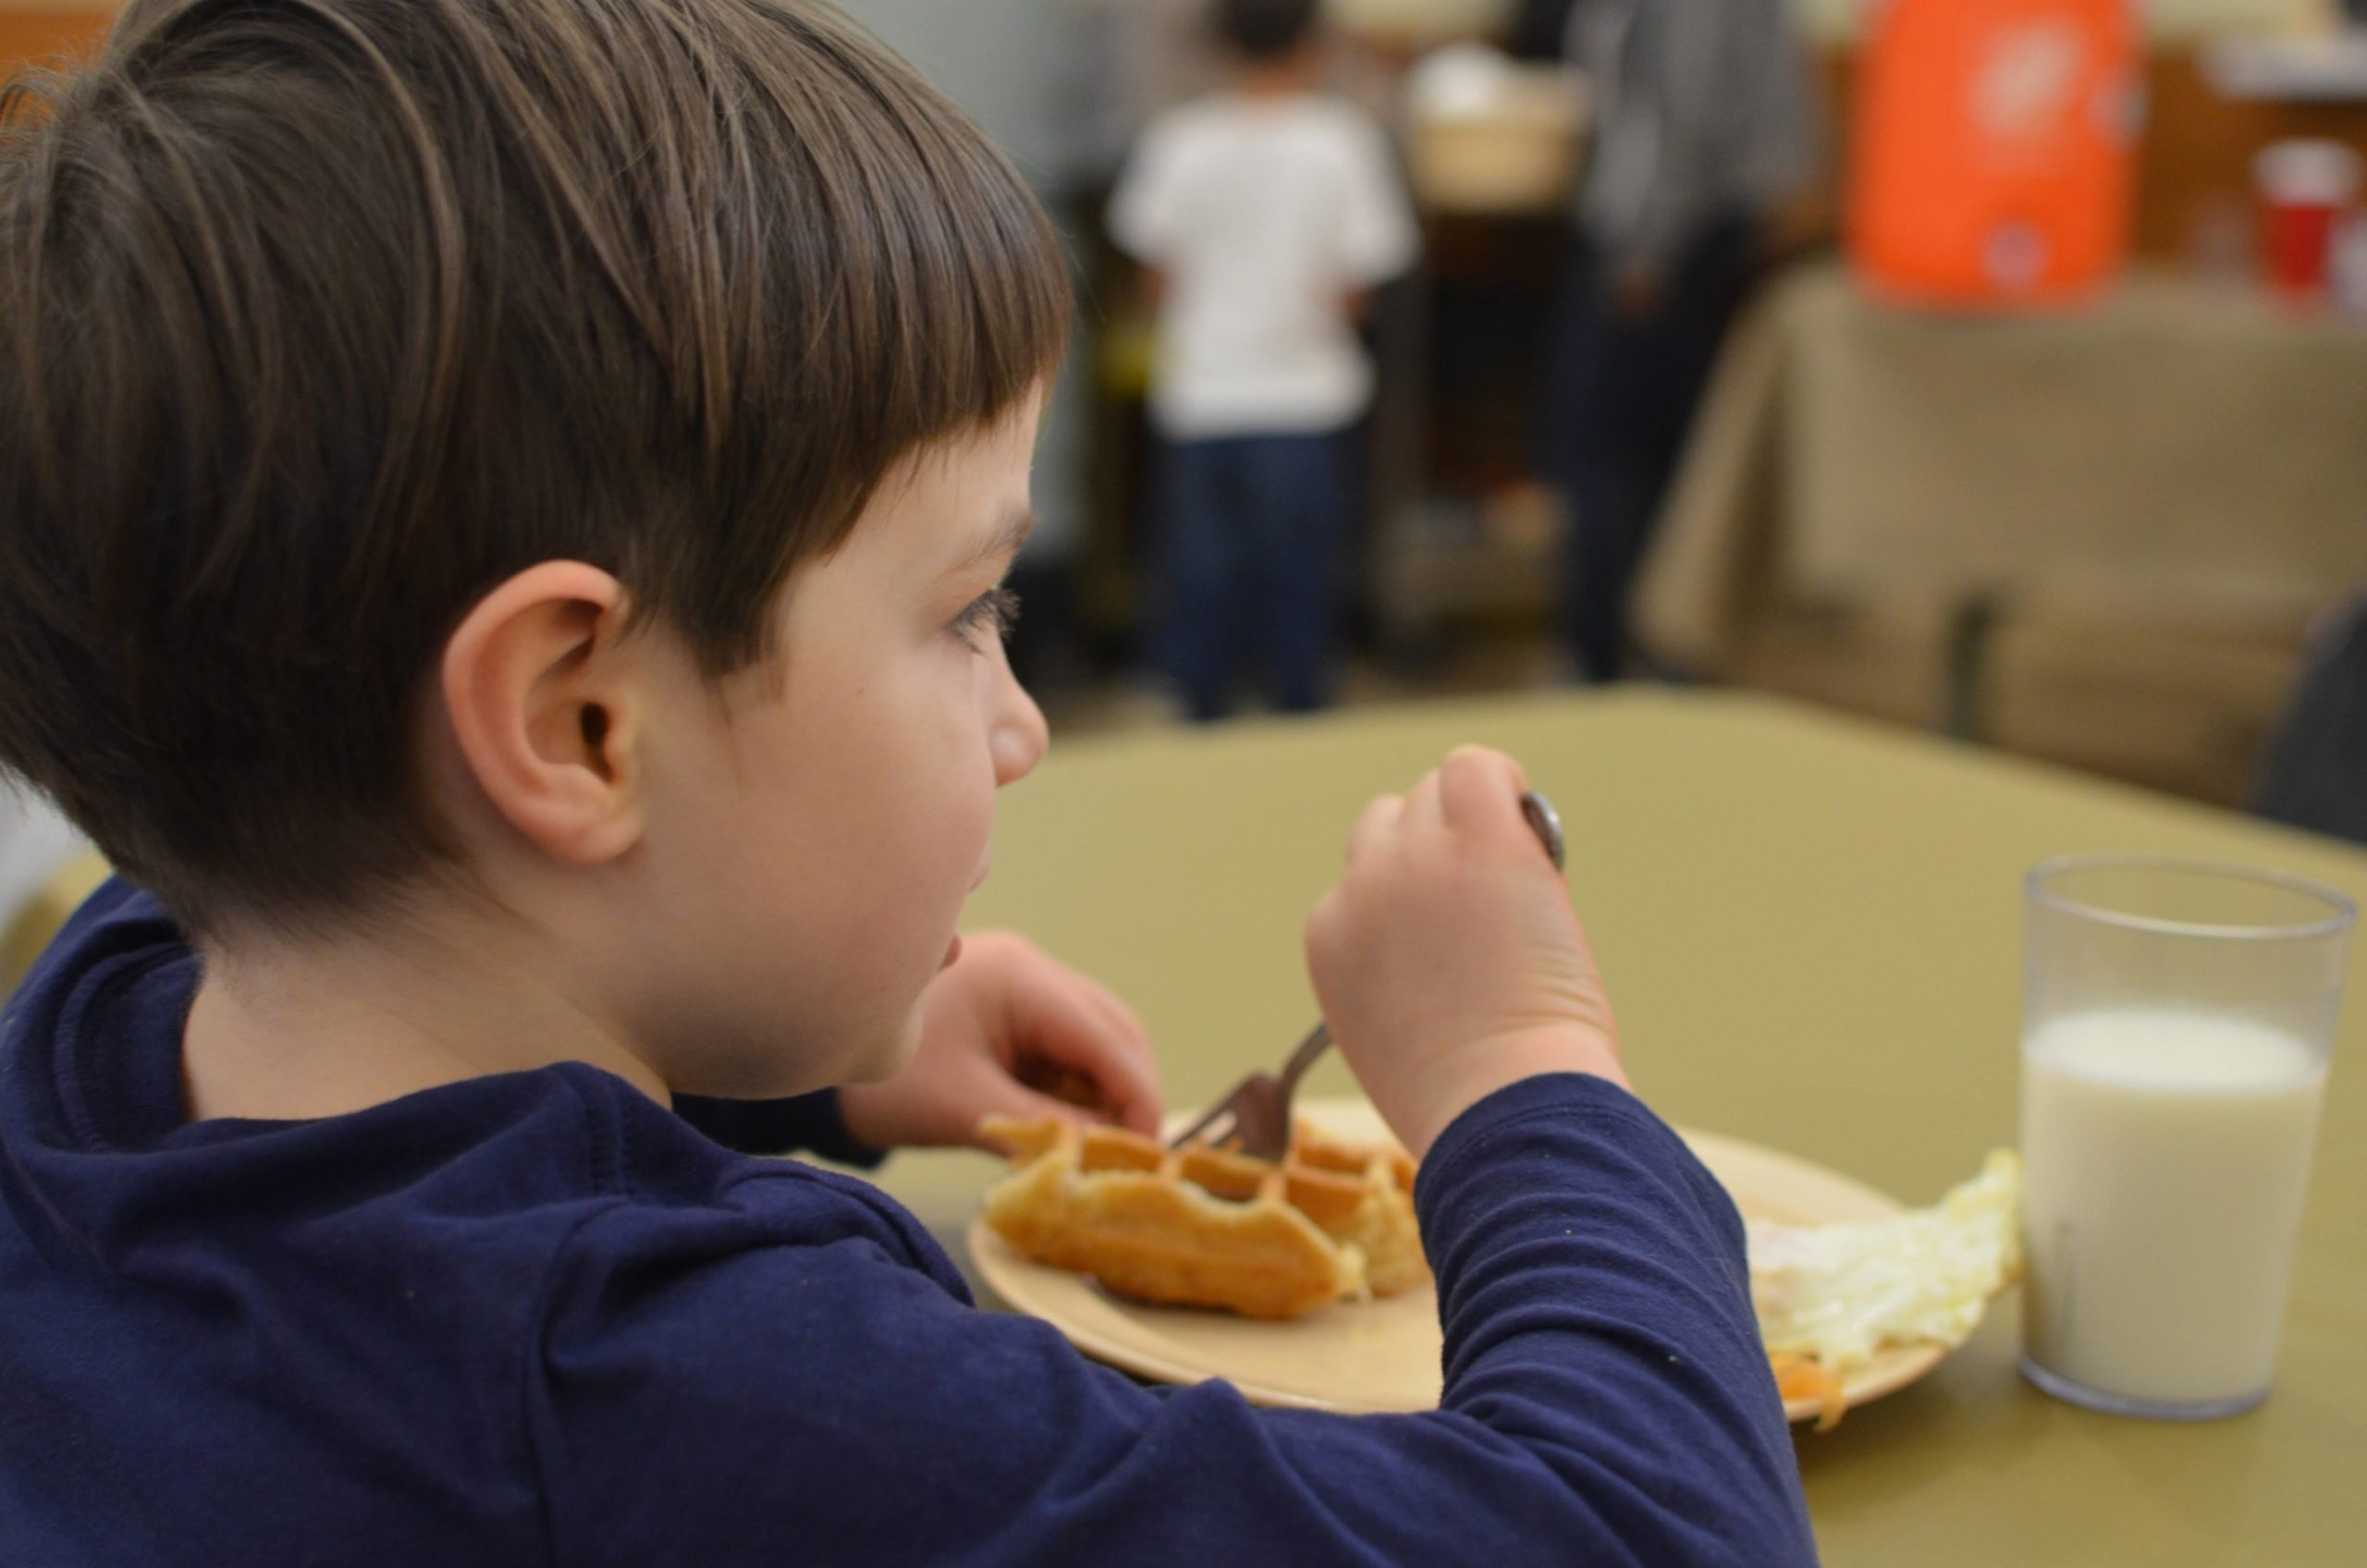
(2178, 1020)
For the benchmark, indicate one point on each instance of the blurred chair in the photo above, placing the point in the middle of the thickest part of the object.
(2316, 776)
(2150, 505)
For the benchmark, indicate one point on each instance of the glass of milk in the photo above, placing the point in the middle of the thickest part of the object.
(2178, 1018)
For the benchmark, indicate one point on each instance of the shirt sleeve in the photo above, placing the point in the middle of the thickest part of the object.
(1377, 237)
(807, 1124)
(1145, 215)
(702, 1393)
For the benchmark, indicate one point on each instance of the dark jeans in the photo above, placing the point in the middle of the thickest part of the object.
(1623, 389)
(1251, 564)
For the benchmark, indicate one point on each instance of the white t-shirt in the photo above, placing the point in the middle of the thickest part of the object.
(1264, 214)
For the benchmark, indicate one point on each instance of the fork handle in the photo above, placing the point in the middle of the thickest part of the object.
(1310, 1050)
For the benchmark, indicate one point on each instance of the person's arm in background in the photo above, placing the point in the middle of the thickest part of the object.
(1659, 155)
(1786, 163)
(1725, 126)
(1147, 217)
(1377, 237)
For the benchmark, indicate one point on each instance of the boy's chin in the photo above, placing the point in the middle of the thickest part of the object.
(890, 1056)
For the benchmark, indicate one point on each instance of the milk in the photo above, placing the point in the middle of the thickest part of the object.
(2167, 1153)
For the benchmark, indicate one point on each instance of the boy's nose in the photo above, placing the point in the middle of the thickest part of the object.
(1020, 735)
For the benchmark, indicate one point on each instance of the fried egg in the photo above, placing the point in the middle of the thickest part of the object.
(1841, 1293)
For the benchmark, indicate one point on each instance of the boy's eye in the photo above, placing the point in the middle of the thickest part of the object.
(993, 612)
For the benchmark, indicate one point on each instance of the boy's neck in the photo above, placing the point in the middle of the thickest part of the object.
(1286, 78)
(281, 1032)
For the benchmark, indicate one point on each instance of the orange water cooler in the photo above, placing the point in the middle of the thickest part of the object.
(1993, 151)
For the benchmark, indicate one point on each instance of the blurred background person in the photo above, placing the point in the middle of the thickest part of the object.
(1704, 131)
(1262, 213)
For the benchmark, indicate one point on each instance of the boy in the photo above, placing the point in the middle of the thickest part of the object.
(505, 504)
(1263, 213)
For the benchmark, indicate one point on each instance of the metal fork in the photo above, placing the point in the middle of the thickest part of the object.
(1256, 1116)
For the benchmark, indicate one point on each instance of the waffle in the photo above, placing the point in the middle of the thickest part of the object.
(1203, 1227)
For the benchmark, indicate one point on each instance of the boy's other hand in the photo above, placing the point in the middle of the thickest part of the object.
(1448, 960)
(999, 1029)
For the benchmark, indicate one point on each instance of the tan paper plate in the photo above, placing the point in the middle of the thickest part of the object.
(1383, 1356)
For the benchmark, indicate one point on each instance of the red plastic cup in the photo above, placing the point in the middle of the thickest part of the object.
(2305, 189)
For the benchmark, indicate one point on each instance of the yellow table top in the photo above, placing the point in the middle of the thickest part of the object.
(1812, 931)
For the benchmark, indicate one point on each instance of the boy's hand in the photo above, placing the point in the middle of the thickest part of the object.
(1002, 1026)
(1448, 960)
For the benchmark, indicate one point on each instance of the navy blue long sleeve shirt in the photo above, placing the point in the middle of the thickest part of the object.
(540, 1318)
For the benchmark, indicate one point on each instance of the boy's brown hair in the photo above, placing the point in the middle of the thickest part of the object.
(1267, 29)
(320, 318)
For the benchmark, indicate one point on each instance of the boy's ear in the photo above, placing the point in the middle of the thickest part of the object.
(545, 705)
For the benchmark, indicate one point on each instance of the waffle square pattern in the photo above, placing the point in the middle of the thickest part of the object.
(1209, 1227)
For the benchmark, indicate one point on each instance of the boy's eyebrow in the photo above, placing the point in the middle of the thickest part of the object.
(1003, 544)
